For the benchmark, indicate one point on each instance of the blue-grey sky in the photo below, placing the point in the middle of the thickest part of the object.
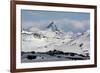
(67, 21)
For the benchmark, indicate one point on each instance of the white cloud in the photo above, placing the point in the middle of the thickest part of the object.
(80, 24)
(75, 24)
(66, 24)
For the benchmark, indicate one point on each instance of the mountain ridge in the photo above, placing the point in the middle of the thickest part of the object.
(46, 40)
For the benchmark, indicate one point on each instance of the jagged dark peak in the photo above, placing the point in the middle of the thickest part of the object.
(50, 24)
(53, 26)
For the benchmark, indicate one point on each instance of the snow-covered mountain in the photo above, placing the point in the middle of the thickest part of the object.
(53, 27)
(52, 38)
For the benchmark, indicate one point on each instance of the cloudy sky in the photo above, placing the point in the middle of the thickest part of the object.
(67, 21)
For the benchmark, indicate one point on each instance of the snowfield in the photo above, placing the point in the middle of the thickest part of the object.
(53, 38)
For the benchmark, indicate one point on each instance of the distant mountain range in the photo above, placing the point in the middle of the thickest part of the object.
(52, 38)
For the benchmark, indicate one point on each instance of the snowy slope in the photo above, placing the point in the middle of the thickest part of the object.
(54, 38)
